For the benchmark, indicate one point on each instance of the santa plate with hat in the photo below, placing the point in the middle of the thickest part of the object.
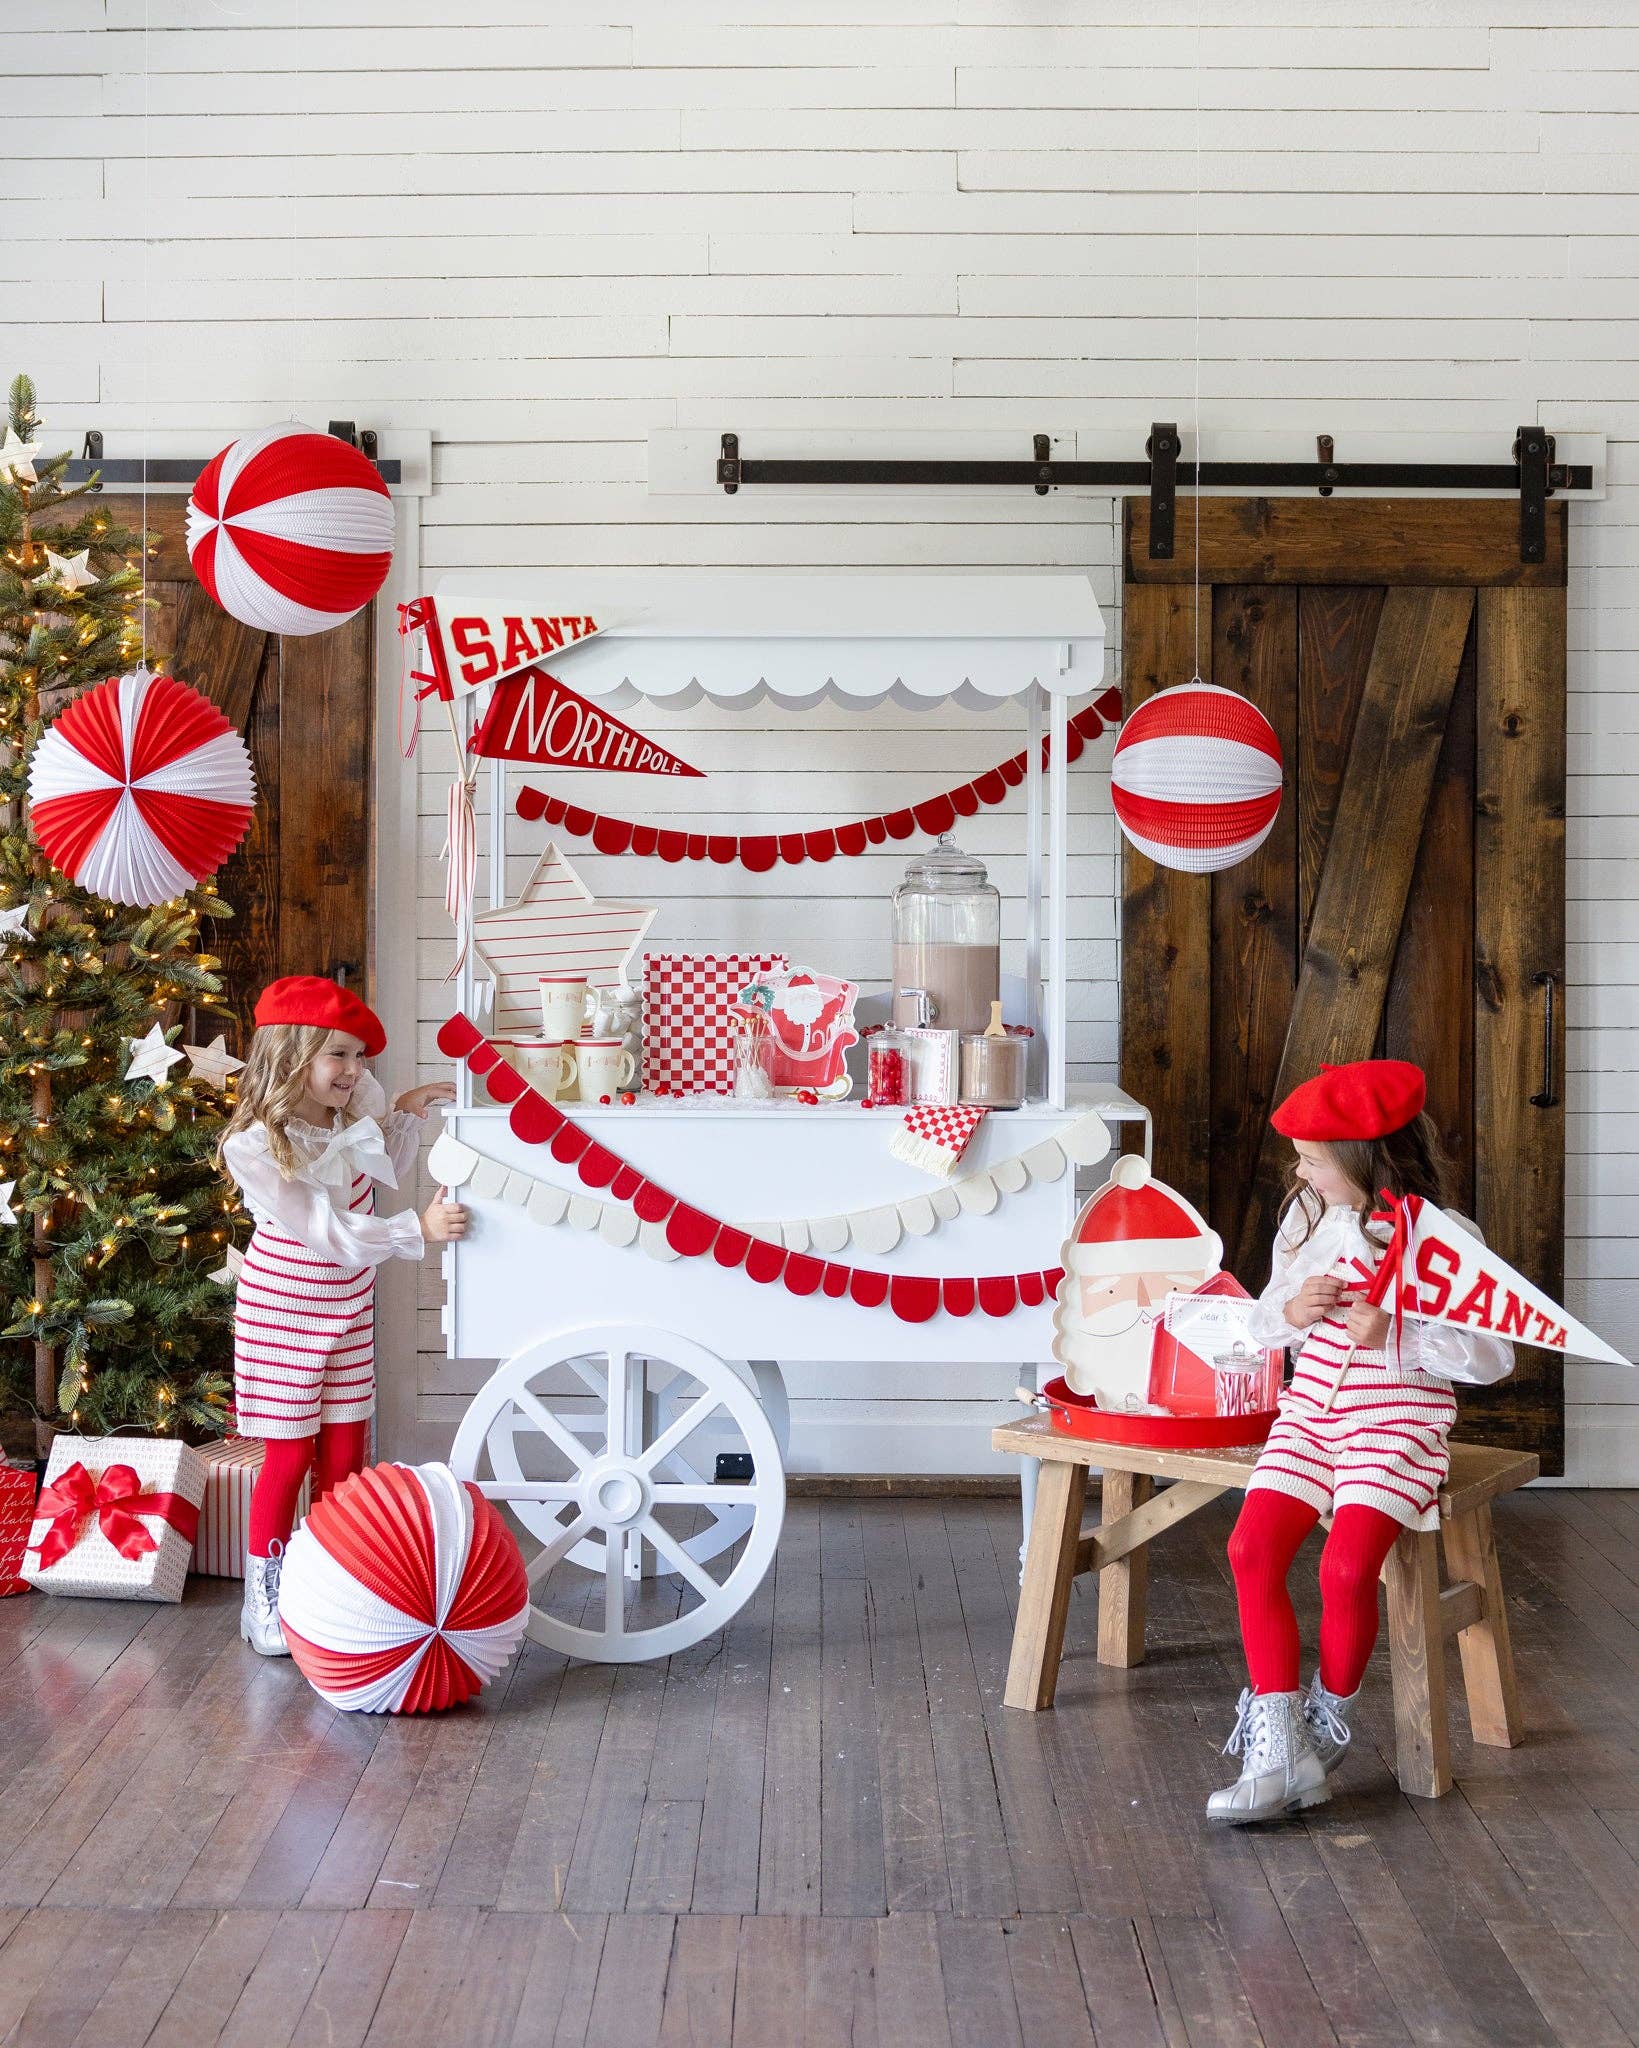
(1135, 1242)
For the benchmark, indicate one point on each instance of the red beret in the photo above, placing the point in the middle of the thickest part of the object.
(312, 999)
(1365, 1099)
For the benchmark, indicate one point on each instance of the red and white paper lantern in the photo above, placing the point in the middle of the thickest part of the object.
(140, 789)
(1196, 778)
(403, 1592)
(290, 531)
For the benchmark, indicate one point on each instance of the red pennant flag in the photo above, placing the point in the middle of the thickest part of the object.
(534, 717)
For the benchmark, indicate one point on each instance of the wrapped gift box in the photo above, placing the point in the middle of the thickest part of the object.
(17, 1491)
(232, 1466)
(116, 1518)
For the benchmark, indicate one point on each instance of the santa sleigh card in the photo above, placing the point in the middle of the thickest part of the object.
(810, 1028)
(1438, 1272)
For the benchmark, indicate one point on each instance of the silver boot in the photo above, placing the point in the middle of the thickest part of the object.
(1328, 1718)
(259, 1617)
(1279, 1769)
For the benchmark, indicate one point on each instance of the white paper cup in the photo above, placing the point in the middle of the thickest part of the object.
(563, 1005)
(549, 1065)
(606, 1067)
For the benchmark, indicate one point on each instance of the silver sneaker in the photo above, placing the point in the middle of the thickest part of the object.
(1280, 1771)
(1327, 1717)
(259, 1617)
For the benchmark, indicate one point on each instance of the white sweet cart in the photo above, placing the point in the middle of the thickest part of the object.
(629, 1378)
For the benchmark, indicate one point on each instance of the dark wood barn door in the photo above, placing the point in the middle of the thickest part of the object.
(1411, 897)
(301, 884)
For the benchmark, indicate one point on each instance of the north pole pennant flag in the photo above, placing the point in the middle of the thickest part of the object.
(1447, 1276)
(534, 717)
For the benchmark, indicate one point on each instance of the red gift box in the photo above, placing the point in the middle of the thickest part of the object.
(17, 1490)
(1184, 1383)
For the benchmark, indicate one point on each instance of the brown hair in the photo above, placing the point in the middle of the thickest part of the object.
(272, 1086)
(1409, 1161)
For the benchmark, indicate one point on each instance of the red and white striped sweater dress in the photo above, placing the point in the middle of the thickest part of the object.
(304, 1314)
(1381, 1443)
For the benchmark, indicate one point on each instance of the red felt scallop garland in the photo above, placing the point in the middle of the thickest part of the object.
(758, 852)
(692, 1233)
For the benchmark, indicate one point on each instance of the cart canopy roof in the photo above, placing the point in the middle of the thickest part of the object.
(794, 639)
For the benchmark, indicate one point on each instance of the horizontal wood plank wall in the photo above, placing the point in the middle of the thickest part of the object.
(541, 235)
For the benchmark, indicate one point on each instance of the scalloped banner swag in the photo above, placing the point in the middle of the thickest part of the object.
(691, 1233)
(761, 851)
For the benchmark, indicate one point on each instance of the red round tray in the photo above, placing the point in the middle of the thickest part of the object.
(1076, 1415)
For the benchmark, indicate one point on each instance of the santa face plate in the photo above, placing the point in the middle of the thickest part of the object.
(1135, 1242)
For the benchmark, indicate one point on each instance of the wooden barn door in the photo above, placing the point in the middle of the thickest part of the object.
(301, 883)
(1411, 899)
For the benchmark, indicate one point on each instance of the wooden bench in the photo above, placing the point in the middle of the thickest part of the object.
(1421, 1616)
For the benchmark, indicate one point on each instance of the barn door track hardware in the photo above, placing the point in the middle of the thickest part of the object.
(1531, 472)
(188, 469)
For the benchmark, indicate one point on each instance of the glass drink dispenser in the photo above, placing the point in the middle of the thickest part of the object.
(947, 940)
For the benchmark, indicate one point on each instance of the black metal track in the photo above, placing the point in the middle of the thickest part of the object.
(1365, 476)
(165, 470)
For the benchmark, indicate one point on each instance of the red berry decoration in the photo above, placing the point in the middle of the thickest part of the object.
(663, 1088)
(606, 1100)
(627, 1097)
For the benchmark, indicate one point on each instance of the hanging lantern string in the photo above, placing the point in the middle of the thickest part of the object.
(1197, 676)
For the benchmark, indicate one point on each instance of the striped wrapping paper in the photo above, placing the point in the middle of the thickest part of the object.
(17, 1490)
(231, 1466)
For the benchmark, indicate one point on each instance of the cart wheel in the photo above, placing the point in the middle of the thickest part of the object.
(602, 1496)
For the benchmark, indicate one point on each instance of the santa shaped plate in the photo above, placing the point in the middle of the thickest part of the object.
(1078, 1415)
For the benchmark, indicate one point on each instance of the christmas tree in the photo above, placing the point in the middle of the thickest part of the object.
(117, 1216)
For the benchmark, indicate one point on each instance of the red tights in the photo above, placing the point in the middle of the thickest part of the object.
(341, 1447)
(1265, 1541)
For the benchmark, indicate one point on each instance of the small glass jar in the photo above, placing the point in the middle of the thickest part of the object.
(947, 940)
(993, 1071)
(888, 1071)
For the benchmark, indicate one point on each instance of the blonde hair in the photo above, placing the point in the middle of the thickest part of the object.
(272, 1086)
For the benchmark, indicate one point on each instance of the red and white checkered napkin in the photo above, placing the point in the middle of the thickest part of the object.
(934, 1136)
(687, 1001)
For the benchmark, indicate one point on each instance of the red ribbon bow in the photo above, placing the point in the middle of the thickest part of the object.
(1400, 1212)
(116, 1499)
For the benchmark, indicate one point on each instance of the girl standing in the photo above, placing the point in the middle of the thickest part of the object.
(310, 1135)
(1361, 1433)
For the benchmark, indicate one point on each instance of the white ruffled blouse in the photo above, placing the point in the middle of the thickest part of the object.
(312, 1205)
(1449, 1353)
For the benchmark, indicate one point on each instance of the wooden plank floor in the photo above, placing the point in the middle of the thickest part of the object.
(821, 1827)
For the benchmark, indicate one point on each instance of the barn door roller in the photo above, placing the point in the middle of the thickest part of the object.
(1531, 471)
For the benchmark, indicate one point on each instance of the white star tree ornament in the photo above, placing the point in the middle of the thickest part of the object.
(14, 922)
(8, 1215)
(71, 572)
(212, 1063)
(151, 1058)
(556, 926)
(230, 1269)
(17, 458)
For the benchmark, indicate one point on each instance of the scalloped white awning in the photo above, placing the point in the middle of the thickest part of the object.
(799, 639)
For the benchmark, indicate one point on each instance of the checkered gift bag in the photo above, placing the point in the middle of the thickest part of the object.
(934, 1136)
(687, 1001)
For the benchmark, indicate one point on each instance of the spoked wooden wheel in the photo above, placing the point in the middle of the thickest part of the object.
(596, 1491)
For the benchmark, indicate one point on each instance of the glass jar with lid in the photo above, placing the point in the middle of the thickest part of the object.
(947, 940)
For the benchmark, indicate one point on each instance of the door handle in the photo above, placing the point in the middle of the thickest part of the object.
(1547, 1099)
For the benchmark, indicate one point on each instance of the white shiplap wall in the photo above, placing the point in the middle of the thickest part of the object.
(541, 233)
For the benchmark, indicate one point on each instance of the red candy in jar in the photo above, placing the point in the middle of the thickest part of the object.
(887, 1073)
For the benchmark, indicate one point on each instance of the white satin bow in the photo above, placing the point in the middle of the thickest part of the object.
(355, 1148)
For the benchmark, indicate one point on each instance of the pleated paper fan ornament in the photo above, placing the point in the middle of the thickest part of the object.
(1196, 778)
(290, 530)
(140, 789)
(403, 1592)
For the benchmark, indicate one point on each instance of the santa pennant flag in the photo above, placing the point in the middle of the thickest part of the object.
(534, 717)
(475, 644)
(1448, 1276)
